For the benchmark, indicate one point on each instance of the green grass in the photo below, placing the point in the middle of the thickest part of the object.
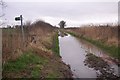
(52, 75)
(24, 62)
(112, 50)
(36, 71)
(55, 48)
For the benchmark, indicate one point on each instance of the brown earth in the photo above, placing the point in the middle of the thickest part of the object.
(105, 72)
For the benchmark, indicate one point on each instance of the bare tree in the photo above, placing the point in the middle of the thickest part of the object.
(2, 6)
(62, 24)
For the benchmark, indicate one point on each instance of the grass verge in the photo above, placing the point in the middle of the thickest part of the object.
(24, 63)
(55, 48)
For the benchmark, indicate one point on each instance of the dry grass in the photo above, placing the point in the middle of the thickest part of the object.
(105, 37)
(12, 44)
(29, 61)
(108, 35)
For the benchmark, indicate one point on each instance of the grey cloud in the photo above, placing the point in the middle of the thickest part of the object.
(69, 10)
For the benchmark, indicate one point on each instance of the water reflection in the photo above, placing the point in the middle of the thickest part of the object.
(74, 55)
(74, 51)
(90, 48)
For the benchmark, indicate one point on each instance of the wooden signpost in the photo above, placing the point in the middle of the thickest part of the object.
(21, 19)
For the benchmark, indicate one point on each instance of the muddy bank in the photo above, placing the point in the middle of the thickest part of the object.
(56, 69)
(37, 64)
(104, 71)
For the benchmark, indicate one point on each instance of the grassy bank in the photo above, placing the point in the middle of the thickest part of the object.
(40, 57)
(41, 60)
(55, 48)
(28, 62)
(112, 50)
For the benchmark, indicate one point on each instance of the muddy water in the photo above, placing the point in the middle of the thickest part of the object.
(73, 51)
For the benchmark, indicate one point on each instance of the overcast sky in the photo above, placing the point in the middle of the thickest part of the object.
(74, 12)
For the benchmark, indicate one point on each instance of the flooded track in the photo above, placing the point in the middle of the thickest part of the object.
(73, 52)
